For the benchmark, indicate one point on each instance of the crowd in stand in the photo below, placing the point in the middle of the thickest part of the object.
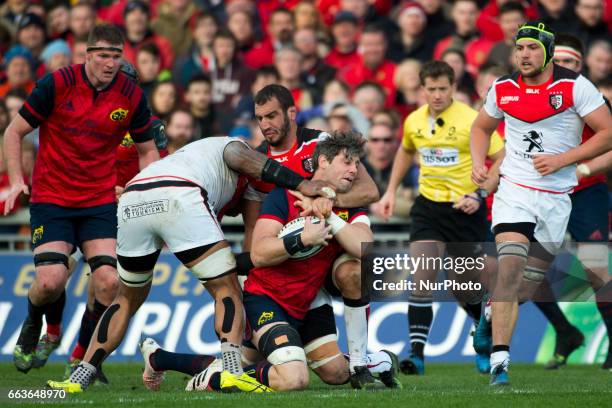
(348, 63)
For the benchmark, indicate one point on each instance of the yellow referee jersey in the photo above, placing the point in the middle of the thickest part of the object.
(443, 145)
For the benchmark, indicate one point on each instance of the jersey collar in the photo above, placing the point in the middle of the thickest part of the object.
(109, 86)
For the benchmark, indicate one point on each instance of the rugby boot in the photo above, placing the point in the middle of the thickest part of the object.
(565, 345)
(150, 378)
(23, 354)
(44, 348)
(413, 365)
(390, 377)
(362, 378)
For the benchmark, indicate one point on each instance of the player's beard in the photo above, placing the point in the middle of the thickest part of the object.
(283, 131)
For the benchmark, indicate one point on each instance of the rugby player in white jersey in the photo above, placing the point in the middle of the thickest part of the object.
(545, 107)
(175, 202)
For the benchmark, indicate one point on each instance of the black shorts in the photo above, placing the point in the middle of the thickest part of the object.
(52, 222)
(262, 310)
(589, 217)
(441, 222)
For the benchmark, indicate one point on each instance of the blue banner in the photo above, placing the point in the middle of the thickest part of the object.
(179, 314)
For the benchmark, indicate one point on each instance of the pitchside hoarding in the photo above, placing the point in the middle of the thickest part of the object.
(179, 315)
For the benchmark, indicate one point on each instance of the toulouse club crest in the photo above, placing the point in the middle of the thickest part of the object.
(556, 101)
(308, 165)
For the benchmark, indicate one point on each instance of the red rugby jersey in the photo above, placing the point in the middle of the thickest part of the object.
(294, 284)
(80, 129)
(298, 158)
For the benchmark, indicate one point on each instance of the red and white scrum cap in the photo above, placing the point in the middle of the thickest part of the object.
(563, 51)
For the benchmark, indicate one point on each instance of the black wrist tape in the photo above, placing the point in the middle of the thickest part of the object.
(293, 244)
(280, 175)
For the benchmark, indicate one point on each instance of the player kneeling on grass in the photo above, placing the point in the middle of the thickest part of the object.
(288, 271)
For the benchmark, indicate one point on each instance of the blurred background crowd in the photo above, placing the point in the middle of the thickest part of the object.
(350, 64)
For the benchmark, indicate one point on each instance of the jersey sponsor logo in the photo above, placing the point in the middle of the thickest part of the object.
(439, 157)
(532, 91)
(308, 165)
(119, 114)
(507, 99)
(535, 141)
(265, 317)
(556, 101)
(144, 209)
(127, 140)
(281, 159)
(37, 234)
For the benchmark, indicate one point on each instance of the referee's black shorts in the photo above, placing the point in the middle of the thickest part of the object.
(434, 221)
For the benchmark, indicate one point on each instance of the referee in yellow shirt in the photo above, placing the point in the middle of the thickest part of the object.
(450, 208)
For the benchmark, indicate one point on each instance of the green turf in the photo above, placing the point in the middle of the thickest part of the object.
(443, 386)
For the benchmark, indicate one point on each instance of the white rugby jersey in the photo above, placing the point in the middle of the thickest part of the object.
(542, 119)
(200, 162)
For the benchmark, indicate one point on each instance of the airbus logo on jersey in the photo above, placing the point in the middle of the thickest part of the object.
(507, 99)
(119, 114)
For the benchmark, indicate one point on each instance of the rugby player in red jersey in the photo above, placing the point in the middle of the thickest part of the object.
(83, 112)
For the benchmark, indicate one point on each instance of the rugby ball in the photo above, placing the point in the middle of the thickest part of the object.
(295, 227)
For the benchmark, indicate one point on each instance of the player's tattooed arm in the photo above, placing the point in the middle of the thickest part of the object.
(363, 192)
(241, 158)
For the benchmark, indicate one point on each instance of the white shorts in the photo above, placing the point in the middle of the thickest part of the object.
(548, 211)
(176, 216)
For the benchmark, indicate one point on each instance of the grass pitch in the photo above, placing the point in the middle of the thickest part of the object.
(442, 386)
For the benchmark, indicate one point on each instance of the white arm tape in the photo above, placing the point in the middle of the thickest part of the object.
(335, 222)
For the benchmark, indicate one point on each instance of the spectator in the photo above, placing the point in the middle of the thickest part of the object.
(19, 65)
(605, 87)
(14, 99)
(79, 51)
(345, 31)
(280, 34)
(164, 99)
(339, 119)
(456, 59)
(148, 64)
(229, 77)
(511, 17)
(240, 23)
(489, 23)
(244, 113)
(12, 11)
(56, 55)
(180, 129)
(31, 33)
(58, 21)
(408, 86)
(438, 26)
(412, 41)
(466, 36)
(381, 148)
(598, 60)
(138, 33)
(197, 62)
(367, 15)
(591, 25)
(199, 98)
(307, 16)
(557, 15)
(315, 73)
(369, 98)
(390, 118)
(288, 62)
(82, 20)
(174, 17)
(372, 65)
(488, 74)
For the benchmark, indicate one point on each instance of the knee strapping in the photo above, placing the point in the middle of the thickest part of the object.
(215, 265)
(50, 258)
(520, 249)
(100, 260)
(134, 279)
(534, 274)
(281, 344)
